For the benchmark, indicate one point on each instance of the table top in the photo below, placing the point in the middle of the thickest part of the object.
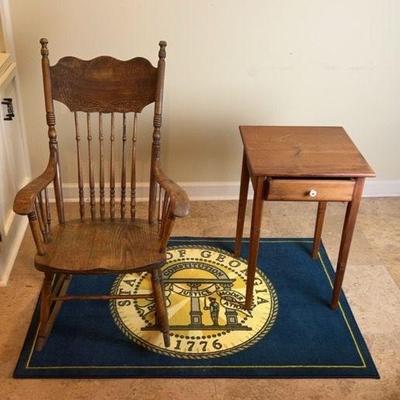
(302, 151)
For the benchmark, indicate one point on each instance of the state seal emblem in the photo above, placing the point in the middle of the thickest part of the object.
(204, 290)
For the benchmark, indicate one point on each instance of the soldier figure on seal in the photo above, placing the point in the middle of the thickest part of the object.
(214, 310)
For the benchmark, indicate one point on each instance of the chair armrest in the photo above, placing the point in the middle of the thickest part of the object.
(25, 199)
(178, 197)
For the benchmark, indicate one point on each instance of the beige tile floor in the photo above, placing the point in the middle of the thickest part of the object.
(371, 284)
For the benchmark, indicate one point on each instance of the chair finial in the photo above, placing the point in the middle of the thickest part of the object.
(44, 51)
(162, 53)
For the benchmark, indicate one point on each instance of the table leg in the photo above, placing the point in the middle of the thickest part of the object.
(244, 188)
(254, 237)
(318, 228)
(347, 234)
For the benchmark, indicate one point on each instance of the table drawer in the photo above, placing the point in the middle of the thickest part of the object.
(310, 189)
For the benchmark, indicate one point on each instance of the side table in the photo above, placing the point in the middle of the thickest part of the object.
(293, 163)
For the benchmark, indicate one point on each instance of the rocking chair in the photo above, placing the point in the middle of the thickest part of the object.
(111, 240)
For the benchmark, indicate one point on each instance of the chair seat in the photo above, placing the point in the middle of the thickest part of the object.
(102, 247)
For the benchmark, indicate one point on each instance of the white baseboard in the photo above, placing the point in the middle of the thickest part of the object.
(195, 191)
(227, 190)
(382, 188)
(19, 228)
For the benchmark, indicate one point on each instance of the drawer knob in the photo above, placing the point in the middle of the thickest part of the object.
(312, 193)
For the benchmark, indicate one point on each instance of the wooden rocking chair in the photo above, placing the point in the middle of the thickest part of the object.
(112, 241)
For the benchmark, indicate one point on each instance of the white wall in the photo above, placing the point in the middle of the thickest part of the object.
(231, 62)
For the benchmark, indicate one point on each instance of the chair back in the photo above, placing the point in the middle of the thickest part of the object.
(110, 93)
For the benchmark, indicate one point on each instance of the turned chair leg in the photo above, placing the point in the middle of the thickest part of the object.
(161, 306)
(56, 285)
(45, 304)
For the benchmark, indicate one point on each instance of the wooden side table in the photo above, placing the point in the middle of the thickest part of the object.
(288, 163)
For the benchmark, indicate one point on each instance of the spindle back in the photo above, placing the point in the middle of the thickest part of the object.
(95, 87)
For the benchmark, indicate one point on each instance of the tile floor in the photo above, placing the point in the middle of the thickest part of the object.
(372, 286)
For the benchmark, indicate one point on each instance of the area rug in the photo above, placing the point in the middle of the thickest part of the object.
(289, 333)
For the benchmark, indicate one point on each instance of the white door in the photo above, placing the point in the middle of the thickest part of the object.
(14, 171)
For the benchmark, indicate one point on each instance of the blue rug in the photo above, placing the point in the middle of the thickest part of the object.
(289, 333)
